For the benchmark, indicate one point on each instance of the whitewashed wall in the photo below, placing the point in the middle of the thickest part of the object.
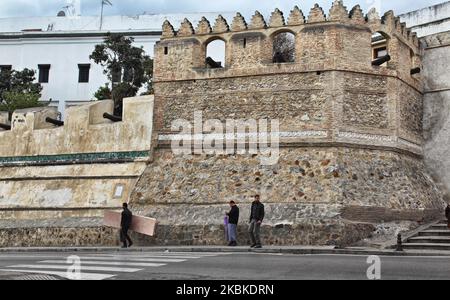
(429, 20)
(64, 55)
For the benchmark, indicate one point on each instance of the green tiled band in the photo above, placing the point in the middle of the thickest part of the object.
(74, 158)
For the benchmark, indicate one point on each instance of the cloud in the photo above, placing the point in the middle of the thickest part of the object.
(24, 8)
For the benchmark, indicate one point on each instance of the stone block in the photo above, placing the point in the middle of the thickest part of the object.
(97, 109)
(30, 119)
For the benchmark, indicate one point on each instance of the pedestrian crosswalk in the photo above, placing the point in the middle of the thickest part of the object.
(102, 266)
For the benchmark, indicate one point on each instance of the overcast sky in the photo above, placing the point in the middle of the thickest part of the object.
(23, 8)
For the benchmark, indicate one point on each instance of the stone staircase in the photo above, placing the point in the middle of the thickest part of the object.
(436, 237)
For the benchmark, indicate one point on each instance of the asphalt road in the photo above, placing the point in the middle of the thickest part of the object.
(216, 266)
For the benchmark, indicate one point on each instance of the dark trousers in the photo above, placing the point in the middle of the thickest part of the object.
(254, 231)
(124, 237)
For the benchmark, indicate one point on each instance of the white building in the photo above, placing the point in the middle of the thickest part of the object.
(58, 48)
(428, 20)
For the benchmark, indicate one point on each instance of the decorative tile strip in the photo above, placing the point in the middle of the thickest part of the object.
(306, 134)
(367, 137)
(289, 134)
(74, 158)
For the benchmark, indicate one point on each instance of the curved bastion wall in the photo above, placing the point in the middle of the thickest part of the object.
(351, 153)
(314, 195)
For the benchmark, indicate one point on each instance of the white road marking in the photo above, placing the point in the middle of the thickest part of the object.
(105, 263)
(180, 255)
(8, 257)
(193, 253)
(128, 262)
(84, 276)
(131, 259)
(147, 256)
(83, 268)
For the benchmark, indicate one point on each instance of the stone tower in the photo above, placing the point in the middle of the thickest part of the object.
(350, 131)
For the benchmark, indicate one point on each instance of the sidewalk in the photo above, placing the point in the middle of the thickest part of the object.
(300, 250)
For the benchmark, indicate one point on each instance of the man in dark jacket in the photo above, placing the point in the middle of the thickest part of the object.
(256, 218)
(447, 215)
(233, 220)
(125, 224)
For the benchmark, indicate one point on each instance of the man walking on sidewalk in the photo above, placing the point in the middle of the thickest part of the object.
(125, 224)
(233, 220)
(256, 218)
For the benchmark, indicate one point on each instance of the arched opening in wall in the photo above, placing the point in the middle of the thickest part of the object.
(215, 54)
(416, 69)
(380, 49)
(283, 47)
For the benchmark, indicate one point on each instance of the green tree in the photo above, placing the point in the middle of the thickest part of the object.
(128, 69)
(148, 67)
(16, 100)
(103, 93)
(284, 48)
(19, 90)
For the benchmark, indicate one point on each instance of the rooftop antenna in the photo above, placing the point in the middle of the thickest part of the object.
(104, 2)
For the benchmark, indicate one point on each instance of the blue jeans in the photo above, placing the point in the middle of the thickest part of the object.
(232, 232)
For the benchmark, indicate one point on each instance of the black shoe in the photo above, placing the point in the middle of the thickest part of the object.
(253, 246)
(230, 244)
(234, 244)
(130, 244)
(257, 247)
(124, 247)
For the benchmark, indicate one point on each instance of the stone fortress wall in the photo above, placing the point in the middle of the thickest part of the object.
(351, 133)
(351, 140)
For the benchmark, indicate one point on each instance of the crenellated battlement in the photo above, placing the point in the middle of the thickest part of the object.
(341, 40)
(388, 23)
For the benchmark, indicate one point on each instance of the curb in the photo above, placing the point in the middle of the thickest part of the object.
(296, 251)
